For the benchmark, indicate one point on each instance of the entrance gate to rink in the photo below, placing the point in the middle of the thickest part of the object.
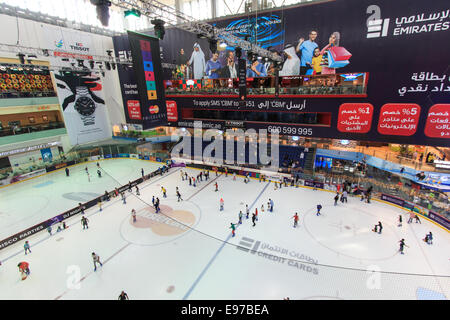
(70, 213)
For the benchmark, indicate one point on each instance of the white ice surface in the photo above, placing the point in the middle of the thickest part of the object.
(331, 252)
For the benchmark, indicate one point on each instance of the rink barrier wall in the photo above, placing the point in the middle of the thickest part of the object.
(71, 212)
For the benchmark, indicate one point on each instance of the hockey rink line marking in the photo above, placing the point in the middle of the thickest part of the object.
(188, 293)
(90, 215)
(91, 272)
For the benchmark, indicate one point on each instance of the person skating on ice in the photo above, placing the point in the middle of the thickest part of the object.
(129, 187)
(84, 222)
(164, 192)
(240, 217)
(262, 207)
(142, 172)
(217, 187)
(98, 165)
(253, 219)
(26, 247)
(89, 177)
(81, 208)
(153, 201)
(123, 198)
(138, 193)
(247, 211)
(400, 220)
(96, 259)
(336, 198)
(295, 220)
(133, 214)
(158, 209)
(67, 172)
(123, 296)
(344, 196)
(319, 206)
(271, 205)
(99, 173)
(221, 204)
(233, 229)
(234, 176)
(402, 245)
(49, 230)
(179, 196)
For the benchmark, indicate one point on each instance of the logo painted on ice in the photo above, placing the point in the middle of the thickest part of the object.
(376, 27)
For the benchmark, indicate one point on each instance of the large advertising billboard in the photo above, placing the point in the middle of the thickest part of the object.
(354, 69)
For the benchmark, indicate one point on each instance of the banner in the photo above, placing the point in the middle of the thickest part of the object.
(149, 77)
(82, 100)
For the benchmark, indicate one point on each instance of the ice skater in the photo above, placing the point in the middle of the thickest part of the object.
(123, 198)
(81, 208)
(319, 207)
(217, 187)
(193, 182)
(96, 259)
(137, 191)
(142, 172)
(400, 220)
(240, 217)
(412, 215)
(153, 201)
(247, 211)
(26, 247)
(402, 245)
(129, 187)
(84, 222)
(190, 181)
(67, 172)
(99, 173)
(24, 269)
(295, 220)
(262, 207)
(336, 198)
(158, 209)
(89, 177)
(133, 214)
(164, 192)
(429, 238)
(98, 165)
(344, 196)
(380, 227)
(123, 296)
(221, 204)
(179, 196)
(256, 214)
(49, 230)
(253, 219)
(271, 205)
(234, 176)
(233, 229)
(99, 203)
(417, 219)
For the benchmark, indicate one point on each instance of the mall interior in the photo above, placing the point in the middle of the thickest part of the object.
(346, 98)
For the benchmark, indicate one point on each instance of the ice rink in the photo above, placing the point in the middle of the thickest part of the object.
(187, 252)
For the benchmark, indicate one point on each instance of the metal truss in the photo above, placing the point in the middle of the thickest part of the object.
(155, 9)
